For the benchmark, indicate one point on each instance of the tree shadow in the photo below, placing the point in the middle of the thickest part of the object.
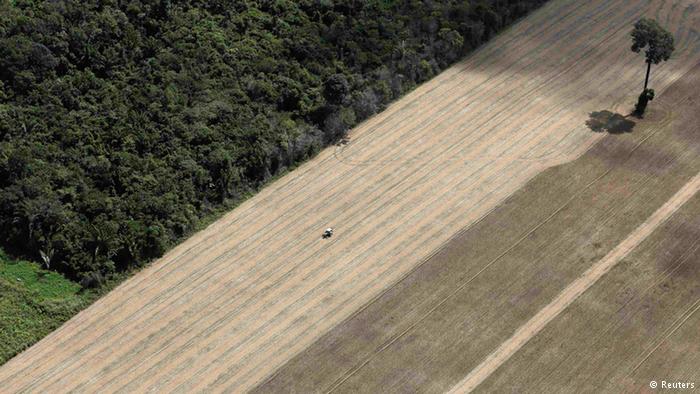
(606, 121)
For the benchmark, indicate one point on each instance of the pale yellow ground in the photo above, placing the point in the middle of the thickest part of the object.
(230, 305)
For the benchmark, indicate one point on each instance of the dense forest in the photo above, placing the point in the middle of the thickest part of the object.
(124, 123)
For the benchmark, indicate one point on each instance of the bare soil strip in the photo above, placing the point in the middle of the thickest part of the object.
(574, 290)
(229, 306)
(432, 328)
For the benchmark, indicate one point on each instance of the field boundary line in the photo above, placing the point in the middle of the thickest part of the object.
(575, 289)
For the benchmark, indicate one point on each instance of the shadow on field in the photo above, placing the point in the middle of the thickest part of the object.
(606, 121)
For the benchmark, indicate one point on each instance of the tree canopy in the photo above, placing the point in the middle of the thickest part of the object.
(124, 123)
(658, 44)
(654, 39)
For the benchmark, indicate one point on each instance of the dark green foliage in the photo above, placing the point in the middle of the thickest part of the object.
(650, 36)
(656, 42)
(124, 123)
(336, 89)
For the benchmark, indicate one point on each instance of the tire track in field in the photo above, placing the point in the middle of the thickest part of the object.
(687, 314)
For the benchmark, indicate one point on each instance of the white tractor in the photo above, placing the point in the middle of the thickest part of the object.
(328, 233)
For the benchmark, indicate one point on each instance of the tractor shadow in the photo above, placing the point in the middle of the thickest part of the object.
(609, 122)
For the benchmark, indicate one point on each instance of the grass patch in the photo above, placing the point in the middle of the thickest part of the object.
(33, 302)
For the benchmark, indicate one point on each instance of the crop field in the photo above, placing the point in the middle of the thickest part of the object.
(637, 325)
(435, 261)
(467, 302)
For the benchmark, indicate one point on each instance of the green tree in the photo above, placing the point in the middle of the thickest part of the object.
(336, 89)
(657, 43)
(223, 172)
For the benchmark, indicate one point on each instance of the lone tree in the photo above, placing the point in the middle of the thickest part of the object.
(658, 46)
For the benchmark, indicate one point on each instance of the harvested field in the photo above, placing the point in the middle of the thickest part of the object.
(228, 307)
(444, 319)
(638, 324)
(525, 333)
